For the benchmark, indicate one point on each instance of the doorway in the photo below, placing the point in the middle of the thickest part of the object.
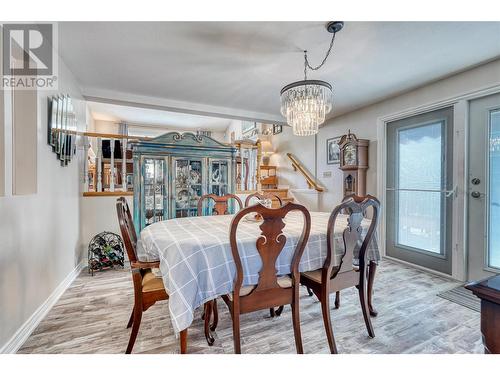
(419, 189)
(484, 188)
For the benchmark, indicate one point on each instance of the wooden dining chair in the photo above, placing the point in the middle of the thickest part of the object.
(221, 206)
(338, 274)
(148, 289)
(271, 289)
(259, 196)
(372, 269)
(262, 195)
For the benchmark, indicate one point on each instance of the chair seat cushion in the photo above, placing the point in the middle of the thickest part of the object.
(151, 283)
(316, 274)
(283, 282)
(313, 275)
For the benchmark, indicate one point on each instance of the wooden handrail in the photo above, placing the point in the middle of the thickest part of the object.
(297, 166)
(100, 135)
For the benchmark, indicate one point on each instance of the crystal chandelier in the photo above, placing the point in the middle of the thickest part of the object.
(306, 103)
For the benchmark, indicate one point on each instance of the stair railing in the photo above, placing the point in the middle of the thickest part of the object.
(106, 173)
(248, 159)
(298, 167)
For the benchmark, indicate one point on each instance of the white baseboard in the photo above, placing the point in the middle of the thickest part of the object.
(421, 268)
(22, 334)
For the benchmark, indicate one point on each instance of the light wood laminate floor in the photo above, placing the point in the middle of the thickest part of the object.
(92, 314)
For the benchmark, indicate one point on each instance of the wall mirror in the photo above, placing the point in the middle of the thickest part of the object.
(62, 127)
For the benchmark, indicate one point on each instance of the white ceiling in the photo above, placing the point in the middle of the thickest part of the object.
(154, 117)
(238, 68)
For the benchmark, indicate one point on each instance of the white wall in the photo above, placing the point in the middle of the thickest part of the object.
(109, 127)
(39, 232)
(363, 123)
(98, 214)
(234, 126)
(302, 148)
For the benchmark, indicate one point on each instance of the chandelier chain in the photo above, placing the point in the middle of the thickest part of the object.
(308, 65)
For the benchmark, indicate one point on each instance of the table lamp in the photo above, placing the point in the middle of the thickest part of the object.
(267, 151)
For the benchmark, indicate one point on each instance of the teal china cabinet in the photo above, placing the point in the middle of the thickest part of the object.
(172, 171)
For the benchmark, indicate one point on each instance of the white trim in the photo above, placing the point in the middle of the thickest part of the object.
(416, 266)
(381, 179)
(440, 104)
(465, 188)
(460, 157)
(460, 102)
(22, 334)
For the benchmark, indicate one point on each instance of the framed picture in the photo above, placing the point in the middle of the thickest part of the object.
(277, 129)
(333, 150)
(249, 130)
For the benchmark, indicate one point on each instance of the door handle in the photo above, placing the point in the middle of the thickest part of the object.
(477, 194)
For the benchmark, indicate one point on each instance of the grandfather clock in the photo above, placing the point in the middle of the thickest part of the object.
(354, 163)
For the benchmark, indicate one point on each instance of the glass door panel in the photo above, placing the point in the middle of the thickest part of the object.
(187, 186)
(483, 214)
(218, 182)
(419, 189)
(154, 190)
(419, 184)
(493, 253)
(218, 178)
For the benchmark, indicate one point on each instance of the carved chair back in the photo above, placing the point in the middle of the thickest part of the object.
(262, 195)
(127, 228)
(221, 203)
(269, 245)
(352, 236)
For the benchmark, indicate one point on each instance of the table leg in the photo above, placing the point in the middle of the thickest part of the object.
(184, 341)
(208, 310)
(213, 327)
(372, 268)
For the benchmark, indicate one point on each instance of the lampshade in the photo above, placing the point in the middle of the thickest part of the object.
(266, 147)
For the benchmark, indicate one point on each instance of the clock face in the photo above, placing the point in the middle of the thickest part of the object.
(350, 155)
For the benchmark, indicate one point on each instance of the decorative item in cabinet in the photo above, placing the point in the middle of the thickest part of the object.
(188, 185)
(218, 177)
(154, 190)
(354, 163)
(268, 177)
(172, 171)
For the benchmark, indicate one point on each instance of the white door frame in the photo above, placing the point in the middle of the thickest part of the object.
(460, 104)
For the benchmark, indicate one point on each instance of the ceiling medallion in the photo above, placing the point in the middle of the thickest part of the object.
(306, 103)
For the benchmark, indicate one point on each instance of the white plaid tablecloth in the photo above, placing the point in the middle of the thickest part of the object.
(197, 264)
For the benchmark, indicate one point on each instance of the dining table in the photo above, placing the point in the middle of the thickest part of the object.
(197, 266)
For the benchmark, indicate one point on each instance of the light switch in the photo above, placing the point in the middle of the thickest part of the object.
(327, 174)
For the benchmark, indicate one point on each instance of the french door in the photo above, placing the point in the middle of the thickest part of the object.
(484, 188)
(419, 189)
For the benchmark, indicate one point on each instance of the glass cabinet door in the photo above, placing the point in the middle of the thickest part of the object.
(218, 177)
(154, 194)
(218, 182)
(187, 187)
